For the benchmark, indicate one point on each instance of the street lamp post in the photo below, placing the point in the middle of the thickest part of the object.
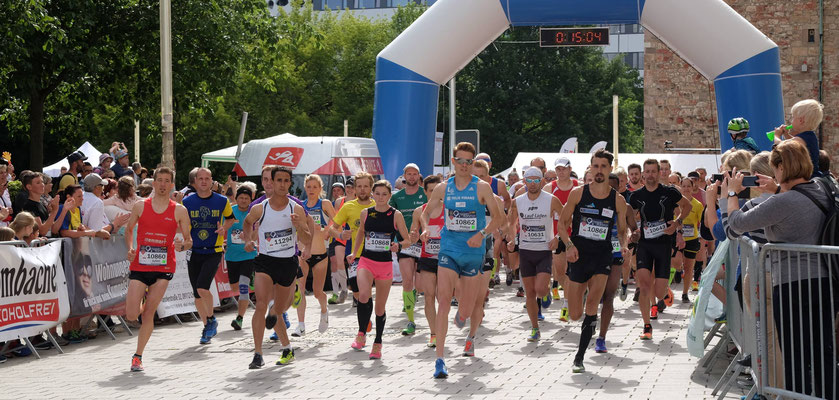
(168, 158)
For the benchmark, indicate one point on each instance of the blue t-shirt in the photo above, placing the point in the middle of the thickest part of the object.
(204, 215)
(235, 242)
(465, 213)
(812, 142)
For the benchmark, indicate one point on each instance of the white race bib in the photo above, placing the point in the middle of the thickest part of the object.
(377, 241)
(616, 245)
(688, 231)
(236, 236)
(279, 240)
(414, 250)
(654, 229)
(353, 272)
(594, 229)
(533, 234)
(316, 218)
(432, 246)
(153, 255)
(462, 221)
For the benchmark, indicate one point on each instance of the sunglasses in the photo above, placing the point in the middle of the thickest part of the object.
(534, 180)
(463, 161)
(550, 179)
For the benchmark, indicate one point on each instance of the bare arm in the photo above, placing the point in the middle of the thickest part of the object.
(182, 217)
(486, 197)
(505, 195)
(567, 215)
(621, 209)
(435, 203)
(399, 220)
(136, 212)
(359, 236)
(247, 226)
(512, 219)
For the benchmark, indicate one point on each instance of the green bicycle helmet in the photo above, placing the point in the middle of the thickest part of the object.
(738, 126)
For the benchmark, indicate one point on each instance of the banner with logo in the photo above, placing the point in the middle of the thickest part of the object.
(698, 322)
(178, 298)
(33, 290)
(97, 275)
(222, 283)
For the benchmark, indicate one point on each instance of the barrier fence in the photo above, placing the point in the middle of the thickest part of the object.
(781, 316)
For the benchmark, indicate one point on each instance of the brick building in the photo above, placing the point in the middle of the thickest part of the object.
(679, 102)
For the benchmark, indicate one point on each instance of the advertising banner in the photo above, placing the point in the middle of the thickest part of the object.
(97, 272)
(178, 298)
(33, 290)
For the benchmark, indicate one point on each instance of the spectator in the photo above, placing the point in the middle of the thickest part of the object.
(76, 160)
(807, 115)
(45, 214)
(512, 178)
(190, 187)
(144, 174)
(93, 209)
(124, 199)
(6, 234)
(824, 166)
(121, 168)
(22, 225)
(69, 221)
(800, 283)
(47, 197)
(5, 201)
(63, 170)
(22, 195)
(105, 161)
(136, 168)
(738, 128)
(144, 190)
(87, 169)
(110, 189)
(337, 191)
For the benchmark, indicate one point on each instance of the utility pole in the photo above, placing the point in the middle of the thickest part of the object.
(167, 123)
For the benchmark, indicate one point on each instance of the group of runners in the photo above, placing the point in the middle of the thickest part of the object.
(451, 237)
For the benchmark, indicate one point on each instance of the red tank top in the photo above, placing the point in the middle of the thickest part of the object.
(155, 236)
(435, 226)
(562, 195)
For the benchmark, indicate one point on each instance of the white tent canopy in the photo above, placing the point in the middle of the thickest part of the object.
(683, 163)
(227, 155)
(89, 151)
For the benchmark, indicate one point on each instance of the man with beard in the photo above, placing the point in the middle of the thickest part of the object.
(560, 189)
(591, 212)
(664, 174)
(635, 183)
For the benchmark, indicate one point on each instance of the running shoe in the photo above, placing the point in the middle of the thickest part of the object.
(440, 371)
(578, 367)
(324, 322)
(546, 301)
(333, 299)
(668, 300)
(721, 319)
(454, 301)
(520, 292)
(460, 323)
(287, 322)
(3, 359)
(600, 345)
(623, 292)
(497, 279)
(75, 337)
(43, 344)
(369, 326)
(469, 349)
(509, 280)
(376, 352)
(637, 295)
(492, 283)
(274, 337)
(298, 331)
(432, 341)
(212, 327)
(297, 297)
(342, 297)
(534, 335)
(204, 338)
(563, 314)
(137, 364)
(662, 305)
(555, 293)
(286, 358)
(539, 316)
(654, 312)
(359, 341)
(257, 362)
(648, 332)
(409, 329)
(685, 298)
(270, 321)
(236, 324)
(694, 287)
(677, 278)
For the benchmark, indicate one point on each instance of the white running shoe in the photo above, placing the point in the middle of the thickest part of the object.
(299, 331)
(342, 297)
(324, 322)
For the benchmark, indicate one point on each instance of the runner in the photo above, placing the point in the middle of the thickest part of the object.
(462, 242)
(690, 233)
(628, 259)
(498, 185)
(591, 211)
(656, 204)
(635, 181)
(620, 264)
(337, 251)
(427, 264)
(406, 201)
(321, 212)
(350, 214)
(281, 224)
(560, 189)
(664, 174)
(206, 211)
(534, 211)
(377, 230)
(239, 261)
(157, 219)
(499, 188)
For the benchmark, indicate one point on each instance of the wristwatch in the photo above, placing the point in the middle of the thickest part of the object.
(483, 232)
(732, 193)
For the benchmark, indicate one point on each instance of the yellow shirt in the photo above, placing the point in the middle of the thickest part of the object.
(350, 214)
(690, 225)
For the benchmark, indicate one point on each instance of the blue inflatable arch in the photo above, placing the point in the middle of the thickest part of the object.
(742, 62)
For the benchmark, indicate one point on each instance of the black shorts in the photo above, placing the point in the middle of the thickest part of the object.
(235, 269)
(427, 264)
(315, 259)
(330, 250)
(149, 278)
(282, 270)
(489, 264)
(655, 257)
(400, 256)
(617, 261)
(202, 269)
(515, 250)
(588, 265)
(560, 248)
(352, 281)
(691, 248)
(532, 262)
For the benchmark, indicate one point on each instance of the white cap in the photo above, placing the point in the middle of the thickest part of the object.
(533, 172)
(411, 165)
(562, 162)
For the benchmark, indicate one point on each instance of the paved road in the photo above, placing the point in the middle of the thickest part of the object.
(505, 366)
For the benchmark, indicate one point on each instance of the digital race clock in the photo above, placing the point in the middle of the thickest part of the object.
(560, 37)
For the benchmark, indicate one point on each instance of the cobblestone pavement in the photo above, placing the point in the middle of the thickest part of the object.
(505, 366)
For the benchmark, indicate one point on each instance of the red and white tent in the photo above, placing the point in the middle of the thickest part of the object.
(322, 155)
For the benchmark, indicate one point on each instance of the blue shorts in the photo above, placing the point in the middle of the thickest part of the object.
(463, 264)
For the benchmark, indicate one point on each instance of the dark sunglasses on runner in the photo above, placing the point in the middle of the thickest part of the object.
(463, 161)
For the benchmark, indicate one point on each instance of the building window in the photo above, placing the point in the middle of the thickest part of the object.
(366, 4)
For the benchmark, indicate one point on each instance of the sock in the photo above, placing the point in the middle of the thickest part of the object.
(539, 304)
(239, 318)
(302, 325)
(555, 285)
(364, 311)
(410, 300)
(342, 279)
(672, 275)
(138, 355)
(697, 271)
(380, 327)
(335, 288)
(587, 331)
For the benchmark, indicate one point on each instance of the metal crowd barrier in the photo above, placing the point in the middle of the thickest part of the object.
(785, 329)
